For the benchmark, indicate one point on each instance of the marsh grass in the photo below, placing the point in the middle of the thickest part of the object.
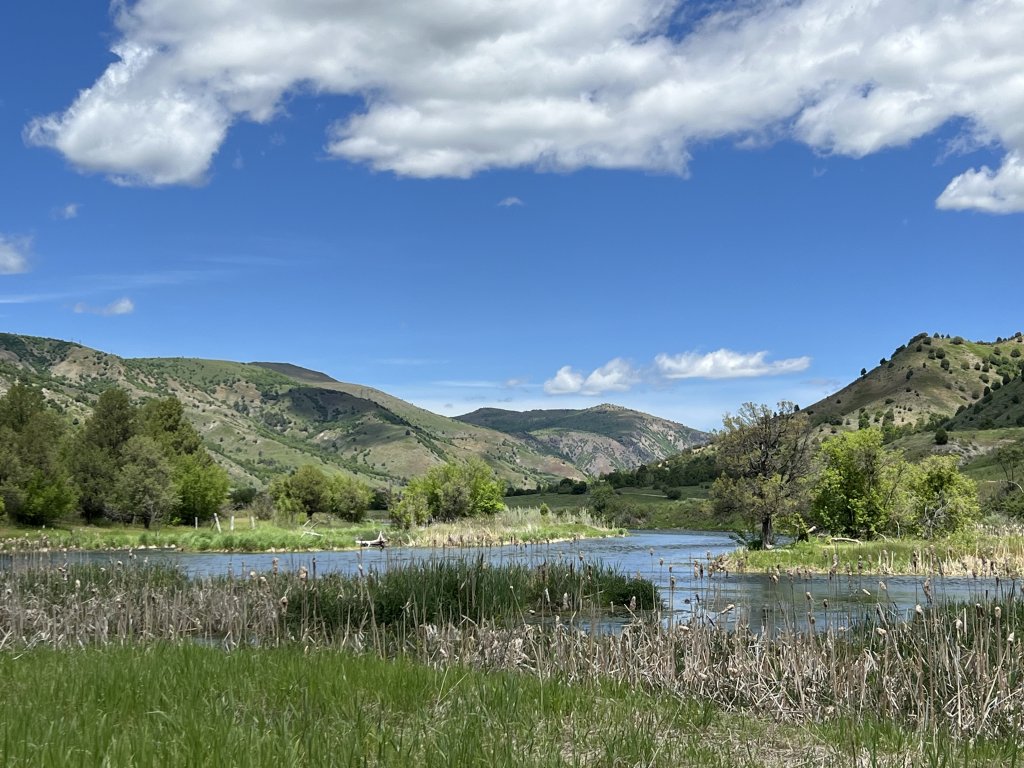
(953, 668)
(520, 525)
(184, 704)
(944, 687)
(987, 552)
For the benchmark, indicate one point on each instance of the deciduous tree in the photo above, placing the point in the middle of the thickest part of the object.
(764, 455)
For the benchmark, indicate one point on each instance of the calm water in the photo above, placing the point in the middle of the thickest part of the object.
(667, 558)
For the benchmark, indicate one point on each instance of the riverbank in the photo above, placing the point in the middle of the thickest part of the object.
(508, 527)
(984, 552)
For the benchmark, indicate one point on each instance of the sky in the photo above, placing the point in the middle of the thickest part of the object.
(677, 207)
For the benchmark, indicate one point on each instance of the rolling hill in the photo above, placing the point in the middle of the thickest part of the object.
(599, 439)
(264, 418)
(933, 379)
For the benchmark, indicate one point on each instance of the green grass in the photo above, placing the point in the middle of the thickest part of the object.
(191, 705)
(974, 552)
(522, 525)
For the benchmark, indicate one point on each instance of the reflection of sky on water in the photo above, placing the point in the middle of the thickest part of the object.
(756, 598)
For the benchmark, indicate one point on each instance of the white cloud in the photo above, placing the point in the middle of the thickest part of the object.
(67, 212)
(565, 382)
(725, 364)
(453, 87)
(124, 306)
(14, 254)
(618, 375)
(614, 376)
(509, 202)
(1000, 191)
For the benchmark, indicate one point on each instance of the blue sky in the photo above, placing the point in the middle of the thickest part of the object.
(673, 207)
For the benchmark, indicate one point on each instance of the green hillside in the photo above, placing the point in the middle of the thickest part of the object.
(262, 419)
(929, 380)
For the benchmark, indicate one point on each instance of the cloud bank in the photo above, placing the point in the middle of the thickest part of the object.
(619, 375)
(454, 87)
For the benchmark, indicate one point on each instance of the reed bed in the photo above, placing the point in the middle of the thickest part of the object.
(128, 601)
(951, 669)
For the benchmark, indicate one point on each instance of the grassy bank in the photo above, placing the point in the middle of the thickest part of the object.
(189, 705)
(519, 525)
(986, 551)
(284, 707)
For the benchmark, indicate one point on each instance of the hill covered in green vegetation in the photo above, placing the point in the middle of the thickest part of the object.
(932, 380)
(263, 419)
(599, 440)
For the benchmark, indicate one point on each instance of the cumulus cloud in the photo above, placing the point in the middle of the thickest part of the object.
(999, 191)
(725, 364)
(454, 87)
(124, 306)
(618, 375)
(614, 376)
(13, 254)
(509, 202)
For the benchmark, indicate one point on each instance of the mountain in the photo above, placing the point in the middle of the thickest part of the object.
(598, 440)
(263, 419)
(934, 379)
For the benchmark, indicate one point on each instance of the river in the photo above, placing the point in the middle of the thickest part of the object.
(671, 559)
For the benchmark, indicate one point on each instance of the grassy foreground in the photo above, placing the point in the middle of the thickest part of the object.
(988, 551)
(192, 705)
(511, 526)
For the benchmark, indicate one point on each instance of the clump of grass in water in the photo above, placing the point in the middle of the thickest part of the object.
(453, 591)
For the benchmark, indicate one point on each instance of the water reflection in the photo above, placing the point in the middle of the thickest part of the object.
(680, 563)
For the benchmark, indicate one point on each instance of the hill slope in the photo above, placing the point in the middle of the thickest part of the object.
(262, 419)
(931, 378)
(599, 439)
